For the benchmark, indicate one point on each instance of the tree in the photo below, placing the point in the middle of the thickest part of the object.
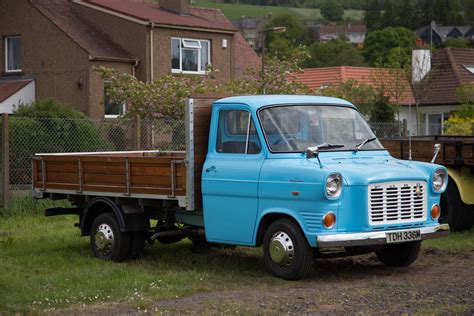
(378, 44)
(282, 44)
(458, 43)
(332, 10)
(164, 97)
(373, 15)
(382, 111)
(336, 52)
(278, 79)
(360, 94)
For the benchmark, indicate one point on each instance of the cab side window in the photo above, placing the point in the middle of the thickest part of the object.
(236, 133)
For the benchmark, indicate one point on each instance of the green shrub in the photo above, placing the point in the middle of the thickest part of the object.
(47, 127)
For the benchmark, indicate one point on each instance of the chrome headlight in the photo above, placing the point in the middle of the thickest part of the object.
(333, 186)
(440, 180)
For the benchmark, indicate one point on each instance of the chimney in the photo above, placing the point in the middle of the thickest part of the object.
(420, 64)
(182, 7)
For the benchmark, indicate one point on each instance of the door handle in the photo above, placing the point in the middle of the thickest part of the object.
(211, 168)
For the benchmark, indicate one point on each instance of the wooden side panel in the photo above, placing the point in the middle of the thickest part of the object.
(202, 121)
(452, 151)
(126, 174)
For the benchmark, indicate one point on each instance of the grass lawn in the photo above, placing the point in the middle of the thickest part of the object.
(235, 11)
(44, 264)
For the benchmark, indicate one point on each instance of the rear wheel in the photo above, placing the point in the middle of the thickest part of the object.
(453, 210)
(106, 239)
(399, 255)
(286, 252)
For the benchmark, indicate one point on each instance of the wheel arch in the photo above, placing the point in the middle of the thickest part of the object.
(464, 181)
(269, 217)
(101, 205)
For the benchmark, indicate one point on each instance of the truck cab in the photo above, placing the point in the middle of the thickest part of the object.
(302, 175)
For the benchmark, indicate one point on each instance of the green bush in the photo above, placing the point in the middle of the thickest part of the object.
(47, 127)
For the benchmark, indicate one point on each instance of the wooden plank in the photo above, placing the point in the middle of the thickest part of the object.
(62, 177)
(62, 167)
(94, 179)
(103, 168)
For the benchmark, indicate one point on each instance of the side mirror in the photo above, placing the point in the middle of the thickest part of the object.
(437, 148)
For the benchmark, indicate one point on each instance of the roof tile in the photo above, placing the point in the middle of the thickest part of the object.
(315, 78)
(80, 29)
(151, 12)
(10, 87)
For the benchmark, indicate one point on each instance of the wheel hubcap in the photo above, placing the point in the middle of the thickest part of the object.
(282, 249)
(104, 239)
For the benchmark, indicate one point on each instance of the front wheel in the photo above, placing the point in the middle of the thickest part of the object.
(286, 252)
(107, 241)
(399, 255)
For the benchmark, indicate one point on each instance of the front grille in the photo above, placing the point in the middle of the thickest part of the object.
(397, 202)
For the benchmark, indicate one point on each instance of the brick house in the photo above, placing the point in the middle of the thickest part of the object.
(441, 75)
(355, 33)
(58, 43)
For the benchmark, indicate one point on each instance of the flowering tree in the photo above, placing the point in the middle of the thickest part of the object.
(165, 97)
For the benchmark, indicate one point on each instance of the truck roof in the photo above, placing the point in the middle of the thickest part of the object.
(258, 101)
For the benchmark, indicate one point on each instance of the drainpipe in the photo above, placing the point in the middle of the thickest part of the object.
(152, 76)
(134, 68)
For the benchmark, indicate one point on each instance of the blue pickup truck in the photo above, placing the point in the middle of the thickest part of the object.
(304, 176)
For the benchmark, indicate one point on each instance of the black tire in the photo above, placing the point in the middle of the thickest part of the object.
(286, 251)
(137, 245)
(399, 255)
(106, 239)
(453, 210)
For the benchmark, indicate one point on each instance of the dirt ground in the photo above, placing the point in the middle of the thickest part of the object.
(439, 282)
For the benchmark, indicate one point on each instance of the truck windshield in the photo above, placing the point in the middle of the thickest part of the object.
(295, 128)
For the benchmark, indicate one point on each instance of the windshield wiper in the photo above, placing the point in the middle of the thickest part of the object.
(360, 145)
(313, 152)
(325, 146)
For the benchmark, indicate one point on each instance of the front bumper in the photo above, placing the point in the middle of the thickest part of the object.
(376, 238)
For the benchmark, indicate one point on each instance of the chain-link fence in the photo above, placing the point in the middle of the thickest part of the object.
(50, 135)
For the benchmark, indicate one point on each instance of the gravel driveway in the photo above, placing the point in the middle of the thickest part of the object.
(439, 282)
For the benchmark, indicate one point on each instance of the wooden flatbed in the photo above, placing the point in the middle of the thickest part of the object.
(455, 150)
(151, 174)
(157, 175)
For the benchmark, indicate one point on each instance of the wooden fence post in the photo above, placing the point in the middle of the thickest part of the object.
(5, 163)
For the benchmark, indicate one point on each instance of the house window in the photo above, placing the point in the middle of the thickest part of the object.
(469, 68)
(13, 54)
(112, 109)
(191, 56)
(435, 123)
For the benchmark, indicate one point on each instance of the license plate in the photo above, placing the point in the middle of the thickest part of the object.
(404, 236)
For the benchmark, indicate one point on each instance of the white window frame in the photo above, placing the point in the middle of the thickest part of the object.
(6, 55)
(469, 68)
(188, 45)
(113, 116)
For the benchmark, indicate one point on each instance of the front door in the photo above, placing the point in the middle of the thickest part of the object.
(230, 179)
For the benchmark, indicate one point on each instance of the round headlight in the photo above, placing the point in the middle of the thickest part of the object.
(440, 180)
(334, 186)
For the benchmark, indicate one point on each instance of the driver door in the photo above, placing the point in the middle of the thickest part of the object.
(230, 179)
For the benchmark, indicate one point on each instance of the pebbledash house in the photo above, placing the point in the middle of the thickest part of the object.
(50, 48)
